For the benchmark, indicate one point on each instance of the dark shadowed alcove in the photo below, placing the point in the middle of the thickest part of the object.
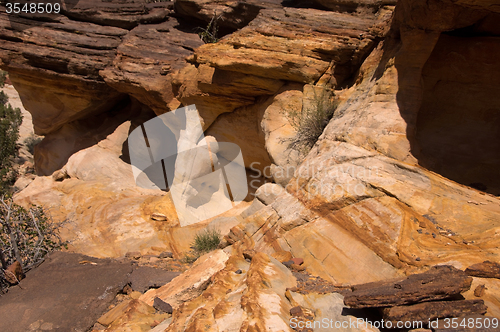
(458, 124)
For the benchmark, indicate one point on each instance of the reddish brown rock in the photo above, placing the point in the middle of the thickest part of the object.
(353, 5)
(485, 269)
(63, 294)
(479, 290)
(161, 305)
(54, 65)
(85, 63)
(296, 311)
(119, 14)
(145, 278)
(440, 282)
(301, 317)
(297, 261)
(432, 310)
(144, 69)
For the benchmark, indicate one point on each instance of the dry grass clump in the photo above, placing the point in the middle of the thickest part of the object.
(310, 122)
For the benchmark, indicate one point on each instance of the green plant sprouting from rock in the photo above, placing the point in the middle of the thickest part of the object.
(310, 122)
(210, 33)
(206, 240)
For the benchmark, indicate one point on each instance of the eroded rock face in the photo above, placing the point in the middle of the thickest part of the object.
(65, 58)
(119, 14)
(147, 57)
(64, 294)
(87, 62)
(277, 44)
(58, 146)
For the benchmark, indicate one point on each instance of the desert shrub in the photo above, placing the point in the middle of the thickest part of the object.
(210, 33)
(26, 235)
(310, 122)
(31, 141)
(3, 75)
(10, 120)
(206, 240)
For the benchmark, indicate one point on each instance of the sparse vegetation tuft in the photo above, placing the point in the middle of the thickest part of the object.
(206, 240)
(310, 122)
(210, 33)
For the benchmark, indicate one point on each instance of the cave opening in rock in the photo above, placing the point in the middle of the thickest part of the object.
(458, 124)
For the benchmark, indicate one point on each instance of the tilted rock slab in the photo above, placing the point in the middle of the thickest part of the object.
(191, 283)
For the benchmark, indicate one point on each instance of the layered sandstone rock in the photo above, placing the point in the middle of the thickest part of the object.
(354, 5)
(86, 62)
